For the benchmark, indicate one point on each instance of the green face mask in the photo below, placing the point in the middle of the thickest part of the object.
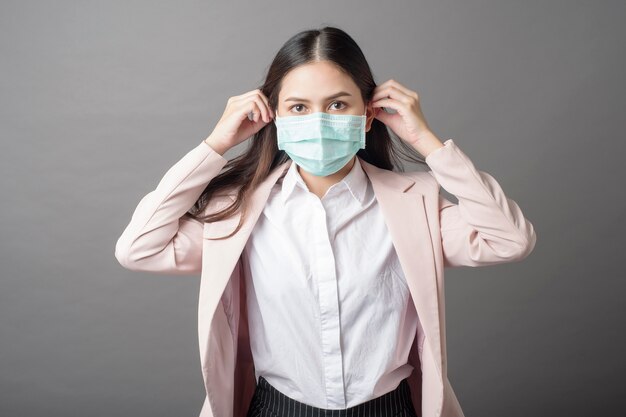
(321, 143)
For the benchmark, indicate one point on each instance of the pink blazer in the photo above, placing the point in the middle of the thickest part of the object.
(428, 231)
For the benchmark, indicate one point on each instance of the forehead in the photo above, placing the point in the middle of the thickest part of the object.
(316, 80)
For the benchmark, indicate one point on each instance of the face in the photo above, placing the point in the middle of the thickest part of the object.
(320, 87)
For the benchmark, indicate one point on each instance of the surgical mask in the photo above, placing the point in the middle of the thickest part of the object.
(321, 143)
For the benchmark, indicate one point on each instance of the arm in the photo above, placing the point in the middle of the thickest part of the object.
(161, 237)
(485, 227)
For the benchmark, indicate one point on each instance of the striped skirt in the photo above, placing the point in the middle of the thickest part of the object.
(269, 402)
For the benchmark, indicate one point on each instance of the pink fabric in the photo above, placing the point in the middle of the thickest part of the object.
(428, 231)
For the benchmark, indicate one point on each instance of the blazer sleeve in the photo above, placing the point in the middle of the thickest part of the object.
(161, 237)
(485, 227)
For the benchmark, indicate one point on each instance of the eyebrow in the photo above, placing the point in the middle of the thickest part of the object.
(339, 94)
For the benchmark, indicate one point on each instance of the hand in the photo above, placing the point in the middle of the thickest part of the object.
(408, 123)
(234, 126)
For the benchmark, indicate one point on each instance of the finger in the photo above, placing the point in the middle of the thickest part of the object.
(395, 93)
(383, 85)
(255, 107)
(264, 112)
(252, 111)
(246, 95)
(239, 97)
(402, 88)
(267, 103)
(392, 92)
(377, 91)
(381, 88)
(384, 115)
(384, 92)
(257, 92)
(393, 84)
(388, 103)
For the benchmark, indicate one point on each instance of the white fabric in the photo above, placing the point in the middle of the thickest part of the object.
(330, 315)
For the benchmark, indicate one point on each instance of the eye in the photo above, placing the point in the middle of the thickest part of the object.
(340, 102)
(296, 105)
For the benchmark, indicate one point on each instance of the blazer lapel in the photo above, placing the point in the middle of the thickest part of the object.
(220, 257)
(402, 202)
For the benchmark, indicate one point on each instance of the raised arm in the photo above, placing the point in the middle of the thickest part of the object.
(161, 237)
(485, 227)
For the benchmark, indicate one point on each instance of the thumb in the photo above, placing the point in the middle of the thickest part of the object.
(382, 115)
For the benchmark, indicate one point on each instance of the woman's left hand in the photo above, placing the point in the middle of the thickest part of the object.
(408, 122)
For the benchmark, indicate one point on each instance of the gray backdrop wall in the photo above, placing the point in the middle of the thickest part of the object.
(99, 99)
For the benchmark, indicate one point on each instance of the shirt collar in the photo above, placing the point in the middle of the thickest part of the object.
(355, 180)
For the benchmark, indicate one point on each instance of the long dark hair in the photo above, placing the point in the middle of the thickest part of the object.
(246, 171)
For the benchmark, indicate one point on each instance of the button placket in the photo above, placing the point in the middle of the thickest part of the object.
(326, 277)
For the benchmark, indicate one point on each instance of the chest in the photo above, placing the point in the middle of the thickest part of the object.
(312, 252)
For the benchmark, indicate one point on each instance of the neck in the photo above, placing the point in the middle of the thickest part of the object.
(319, 185)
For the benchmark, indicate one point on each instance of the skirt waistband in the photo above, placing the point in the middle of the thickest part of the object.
(389, 404)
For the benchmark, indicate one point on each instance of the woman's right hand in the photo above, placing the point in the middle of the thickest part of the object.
(234, 127)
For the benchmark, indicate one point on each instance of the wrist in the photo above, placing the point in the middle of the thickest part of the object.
(216, 145)
(427, 143)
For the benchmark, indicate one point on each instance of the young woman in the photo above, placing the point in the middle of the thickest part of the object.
(322, 260)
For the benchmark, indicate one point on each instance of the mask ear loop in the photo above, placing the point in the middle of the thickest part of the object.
(364, 123)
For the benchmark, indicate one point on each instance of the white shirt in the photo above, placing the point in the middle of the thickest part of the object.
(330, 314)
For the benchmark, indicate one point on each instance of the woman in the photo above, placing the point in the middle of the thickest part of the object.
(322, 266)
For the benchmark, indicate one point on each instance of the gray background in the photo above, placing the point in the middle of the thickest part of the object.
(99, 99)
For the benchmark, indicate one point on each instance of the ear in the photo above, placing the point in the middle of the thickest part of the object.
(370, 117)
